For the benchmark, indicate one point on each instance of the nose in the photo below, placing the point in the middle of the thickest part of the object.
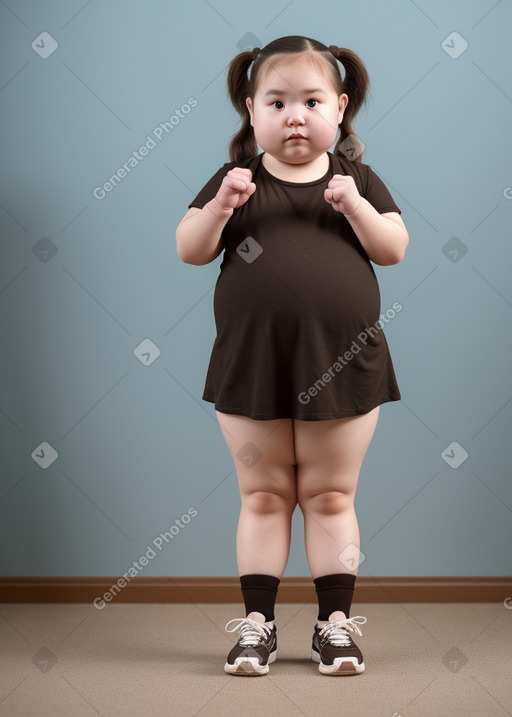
(295, 117)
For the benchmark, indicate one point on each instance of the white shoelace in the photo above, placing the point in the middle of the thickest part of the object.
(251, 631)
(337, 632)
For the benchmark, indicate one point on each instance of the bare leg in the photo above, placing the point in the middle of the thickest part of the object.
(329, 457)
(264, 459)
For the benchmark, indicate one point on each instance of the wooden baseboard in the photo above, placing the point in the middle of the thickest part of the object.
(104, 590)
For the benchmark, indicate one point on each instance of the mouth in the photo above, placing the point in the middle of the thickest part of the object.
(296, 137)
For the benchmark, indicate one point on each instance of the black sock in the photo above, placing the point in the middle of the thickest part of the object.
(334, 592)
(260, 593)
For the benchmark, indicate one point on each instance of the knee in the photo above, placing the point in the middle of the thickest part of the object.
(265, 502)
(329, 502)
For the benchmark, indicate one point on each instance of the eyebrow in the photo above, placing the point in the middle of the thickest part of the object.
(314, 91)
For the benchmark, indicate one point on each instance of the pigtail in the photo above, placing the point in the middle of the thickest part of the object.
(243, 144)
(356, 85)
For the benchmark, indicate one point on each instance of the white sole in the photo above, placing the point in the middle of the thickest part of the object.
(340, 666)
(249, 666)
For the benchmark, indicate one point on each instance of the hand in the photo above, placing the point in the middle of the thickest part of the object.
(236, 188)
(342, 194)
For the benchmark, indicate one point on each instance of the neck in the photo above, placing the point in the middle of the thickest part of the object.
(303, 172)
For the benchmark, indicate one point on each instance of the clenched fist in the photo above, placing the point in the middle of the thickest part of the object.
(342, 194)
(236, 188)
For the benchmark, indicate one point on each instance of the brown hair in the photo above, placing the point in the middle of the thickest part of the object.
(240, 86)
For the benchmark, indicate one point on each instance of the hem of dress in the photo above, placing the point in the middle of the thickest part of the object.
(311, 417)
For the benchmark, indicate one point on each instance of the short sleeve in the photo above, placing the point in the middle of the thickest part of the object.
(211, 187)
(378, 194)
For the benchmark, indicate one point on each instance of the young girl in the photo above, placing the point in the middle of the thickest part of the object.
(300, 364)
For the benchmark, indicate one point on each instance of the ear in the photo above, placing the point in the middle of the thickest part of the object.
(342, 104)
(248, 103)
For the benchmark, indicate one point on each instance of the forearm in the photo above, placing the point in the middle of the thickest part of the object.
(384, 239)
(198, 237)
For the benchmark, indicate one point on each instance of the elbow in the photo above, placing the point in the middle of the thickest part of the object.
(396, 254)
(392, 259)
(188, 256)
(183, 255)
(194, 261)
(189, 253)
(183, 251)
(403, 247)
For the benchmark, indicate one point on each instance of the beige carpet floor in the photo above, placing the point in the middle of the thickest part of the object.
(422, 660)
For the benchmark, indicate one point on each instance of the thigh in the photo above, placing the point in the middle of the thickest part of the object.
(263, 453)
(329, 454)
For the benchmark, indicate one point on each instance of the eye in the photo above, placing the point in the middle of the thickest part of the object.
(276, 103)
(312, 103)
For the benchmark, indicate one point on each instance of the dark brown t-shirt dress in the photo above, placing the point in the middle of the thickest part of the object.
(297, 303)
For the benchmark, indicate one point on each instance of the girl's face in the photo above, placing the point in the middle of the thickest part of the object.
(296, 98)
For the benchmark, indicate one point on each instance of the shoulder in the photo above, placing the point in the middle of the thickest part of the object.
(211, 187)
(359, 170)
(250, 163)
(368, 183)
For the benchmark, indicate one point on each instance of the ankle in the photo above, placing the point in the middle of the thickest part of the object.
(337, 615)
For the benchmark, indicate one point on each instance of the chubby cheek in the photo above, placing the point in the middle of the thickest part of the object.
(265, 125)
(328, 126)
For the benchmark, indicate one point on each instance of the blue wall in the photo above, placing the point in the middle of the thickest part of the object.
(87, 276)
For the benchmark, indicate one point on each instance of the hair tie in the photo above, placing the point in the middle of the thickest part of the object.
(334, 49)
(255, 53)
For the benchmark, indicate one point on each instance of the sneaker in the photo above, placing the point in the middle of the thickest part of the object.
(256, 647)
(334, 648)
